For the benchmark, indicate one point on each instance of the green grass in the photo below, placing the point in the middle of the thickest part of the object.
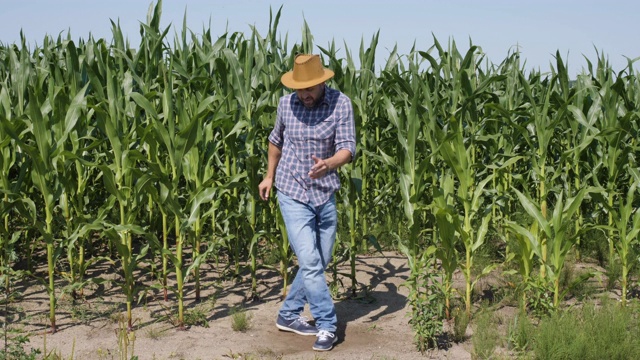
(614, 274)
(576, 282)
(196, 317)
(606, 332)
(240, 320)
(520, 333)
(14, 348)
(589, 331)
(199, 314)
(485, 339)
(156, 332)
(460, 324)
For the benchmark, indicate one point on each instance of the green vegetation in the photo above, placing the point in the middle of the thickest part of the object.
(240, 320)
(520, 333)
(485, 339)
(14, 349)
(595, 330)
(148, 157)
(589, 332)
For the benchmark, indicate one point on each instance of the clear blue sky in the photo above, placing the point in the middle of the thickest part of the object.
(539, 28)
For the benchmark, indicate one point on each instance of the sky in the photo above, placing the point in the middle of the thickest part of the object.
(538, 29)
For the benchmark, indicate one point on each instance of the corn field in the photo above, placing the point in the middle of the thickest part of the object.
(149, 157)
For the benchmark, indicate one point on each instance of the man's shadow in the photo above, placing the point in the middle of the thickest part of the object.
(351, 309)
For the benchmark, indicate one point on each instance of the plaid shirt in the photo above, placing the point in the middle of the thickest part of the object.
(321, 131)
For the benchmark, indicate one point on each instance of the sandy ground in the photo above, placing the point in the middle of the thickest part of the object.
(371, 327)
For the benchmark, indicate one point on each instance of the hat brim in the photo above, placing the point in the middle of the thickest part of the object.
(288, 81)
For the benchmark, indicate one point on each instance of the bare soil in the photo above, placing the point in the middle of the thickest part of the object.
(371, 326)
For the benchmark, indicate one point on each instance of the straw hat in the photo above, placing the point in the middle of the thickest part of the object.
(307, 72)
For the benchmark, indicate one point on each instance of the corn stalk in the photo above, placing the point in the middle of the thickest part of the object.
(557, 231)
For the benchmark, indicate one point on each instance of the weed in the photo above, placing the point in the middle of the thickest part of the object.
(567, 274)
(512, 291)
(269, 354)
(520, 332)
(594, 244)
(614, 273)
(575, 282)
(80, 312)
(102, 353)
(14, 349)
(460, 324)
(240, 320)
(485, 338)
(540, 298)
(271, 257)
(427, 305)
(239, 356)
(116, 317)
(606, 332)
(56, 355)
(85, 312)
(373, 328)
(155, 332)
(198, 315)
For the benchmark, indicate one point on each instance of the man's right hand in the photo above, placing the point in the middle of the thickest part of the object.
(265, 188)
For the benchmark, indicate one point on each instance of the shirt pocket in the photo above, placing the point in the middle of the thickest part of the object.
(321, 137)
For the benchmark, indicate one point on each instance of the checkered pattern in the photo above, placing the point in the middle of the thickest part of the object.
(302, 132)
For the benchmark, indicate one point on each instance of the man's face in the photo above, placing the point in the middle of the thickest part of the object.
(311, 95)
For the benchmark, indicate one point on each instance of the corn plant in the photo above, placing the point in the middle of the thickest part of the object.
(557, 231)
(448, 223)
(176, 135)
(12, 204)
(52, 114)
(474, 223)
(49, 134)
(455, 144)
(613, 138)
(99, 140)
(543, 131)
(627, 227)
(199, 168)
(244, 79)
(351, 191)
(75, 171)
(361, 87)
(402, 105)
(201, 189)
(501, 141)
(524, 250)
(118, 119)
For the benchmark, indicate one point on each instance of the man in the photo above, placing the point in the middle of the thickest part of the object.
(313, 136)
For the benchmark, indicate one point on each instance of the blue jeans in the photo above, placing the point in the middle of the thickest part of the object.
(312, 233)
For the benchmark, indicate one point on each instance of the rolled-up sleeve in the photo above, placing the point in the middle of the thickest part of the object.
(276, 137)
(345, 127)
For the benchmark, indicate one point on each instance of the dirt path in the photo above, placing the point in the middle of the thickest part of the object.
(375, 327)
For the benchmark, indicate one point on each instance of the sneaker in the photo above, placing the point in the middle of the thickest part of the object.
(325, 341)
(299, 326)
